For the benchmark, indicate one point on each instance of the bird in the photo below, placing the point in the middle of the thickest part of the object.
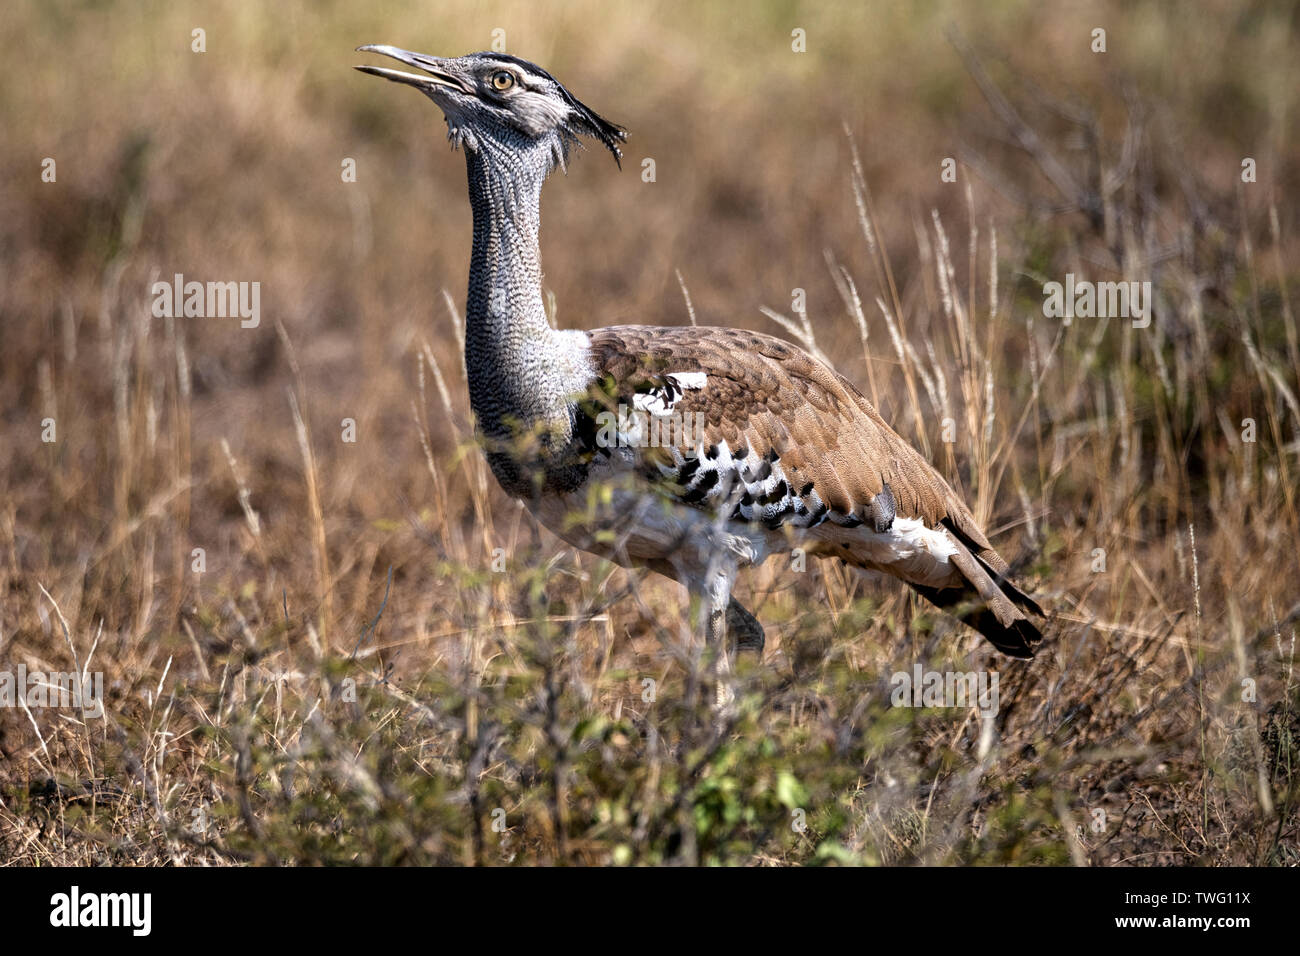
(770, 448)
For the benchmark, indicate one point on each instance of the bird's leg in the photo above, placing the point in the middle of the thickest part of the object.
(716, 641)
(744, 630)
(716, 645)
(711, 595)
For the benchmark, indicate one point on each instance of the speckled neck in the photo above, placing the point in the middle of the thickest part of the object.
(514, 360)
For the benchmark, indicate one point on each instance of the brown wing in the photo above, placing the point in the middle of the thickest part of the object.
(787, 439)
(773, 399)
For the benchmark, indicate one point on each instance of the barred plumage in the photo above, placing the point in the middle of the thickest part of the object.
(778, 449)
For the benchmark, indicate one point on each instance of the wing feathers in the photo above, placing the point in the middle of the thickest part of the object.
(785, 439)
(767, 396)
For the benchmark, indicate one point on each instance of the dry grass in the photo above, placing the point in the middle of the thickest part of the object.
(516, 698)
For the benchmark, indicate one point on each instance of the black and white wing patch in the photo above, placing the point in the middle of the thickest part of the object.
(660, 396)
(617, 421)
(756, 488)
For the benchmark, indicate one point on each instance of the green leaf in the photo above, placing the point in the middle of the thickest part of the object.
(789, 791)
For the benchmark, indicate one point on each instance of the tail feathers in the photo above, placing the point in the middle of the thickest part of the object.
(1018, 597)
(966, 532)
(1017, 637)
(995, 608)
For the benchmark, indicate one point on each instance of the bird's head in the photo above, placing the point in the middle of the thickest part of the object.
(492, 99)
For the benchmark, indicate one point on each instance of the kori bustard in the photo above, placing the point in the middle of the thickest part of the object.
(781, 452)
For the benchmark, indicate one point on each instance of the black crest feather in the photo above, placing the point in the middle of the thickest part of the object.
(609, 134)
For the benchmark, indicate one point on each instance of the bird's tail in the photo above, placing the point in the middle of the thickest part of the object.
(991, 604)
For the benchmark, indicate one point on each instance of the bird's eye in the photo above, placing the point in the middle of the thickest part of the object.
(502, 80)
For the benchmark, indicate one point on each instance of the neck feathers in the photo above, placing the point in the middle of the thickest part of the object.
(521, 372)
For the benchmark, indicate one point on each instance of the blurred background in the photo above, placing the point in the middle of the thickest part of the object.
(773, 171)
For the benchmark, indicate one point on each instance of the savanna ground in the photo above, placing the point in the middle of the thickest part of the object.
(492, 702)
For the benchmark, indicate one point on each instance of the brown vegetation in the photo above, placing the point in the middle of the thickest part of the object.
(229, 737)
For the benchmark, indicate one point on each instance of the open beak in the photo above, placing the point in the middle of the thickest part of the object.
(437, 73)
